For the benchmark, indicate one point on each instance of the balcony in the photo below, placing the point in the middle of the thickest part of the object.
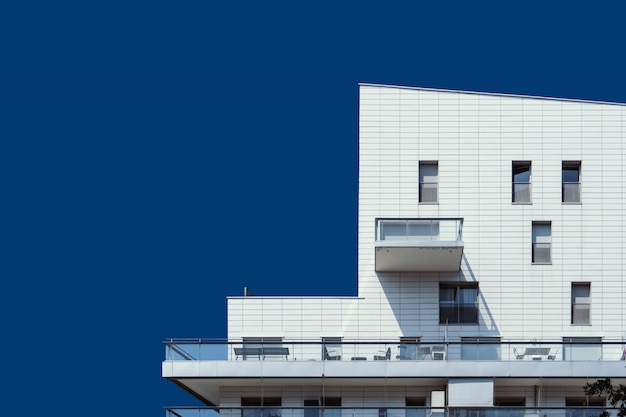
(202, 366)
(570, 350)
(419, 245)
(383, 410)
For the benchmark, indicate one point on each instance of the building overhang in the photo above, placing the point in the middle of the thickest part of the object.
(412, 256)
(203, 379)
(419, 244)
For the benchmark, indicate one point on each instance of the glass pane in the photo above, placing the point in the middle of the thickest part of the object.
(468, 313)
(521, 172)
(428, 172)
(580, 293)
(571, 193)
(582, 352)
(571, 174)
(428, 193)
(251, 412)
(541, 232)
(447, 294)
(415, 412)
(541, 253)
(331, 412)
(312, 412)
(521, 192)
(393, 231)
(581, 314)
(424, 230)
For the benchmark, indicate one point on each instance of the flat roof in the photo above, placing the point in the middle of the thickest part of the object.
(484, 93)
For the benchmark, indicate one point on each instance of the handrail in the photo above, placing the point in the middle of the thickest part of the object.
(416, 411)
(487, 340)
(488, 349)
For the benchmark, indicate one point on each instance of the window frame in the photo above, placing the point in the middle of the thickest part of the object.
(421, 181)
(518, 165)
(571, 166)
(456, 303)
(587, 286)
(544, 240)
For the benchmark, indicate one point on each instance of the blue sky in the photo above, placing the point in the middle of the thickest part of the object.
(158, 157)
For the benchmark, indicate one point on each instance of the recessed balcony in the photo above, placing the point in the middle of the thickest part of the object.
(419, 245)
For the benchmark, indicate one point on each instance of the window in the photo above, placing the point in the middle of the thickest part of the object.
(481, 349)
(312, 407)
(542, 243)
(509, 407)
(429, 182)
(260, 407)
(415, 407)
(328, 403)
(458, 303)
(581, 303)
(570, 188)
(582, 348)
(521, 182)
(584, 407)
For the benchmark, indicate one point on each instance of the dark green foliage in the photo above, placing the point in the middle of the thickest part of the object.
(615, 395)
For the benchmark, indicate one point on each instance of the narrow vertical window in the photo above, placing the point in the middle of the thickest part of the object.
(429, 182)
(542, 243)
(581, 303)
(521, 182)
(570, 177)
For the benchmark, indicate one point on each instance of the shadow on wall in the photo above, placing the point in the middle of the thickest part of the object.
(419, 300)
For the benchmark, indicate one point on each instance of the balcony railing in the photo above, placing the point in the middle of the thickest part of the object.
(419, 230)
(572, 349)
(383, 411)
(418, 245)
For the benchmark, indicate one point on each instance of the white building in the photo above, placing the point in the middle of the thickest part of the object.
(492, 239)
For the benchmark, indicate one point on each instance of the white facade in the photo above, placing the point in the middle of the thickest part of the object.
(490, 253)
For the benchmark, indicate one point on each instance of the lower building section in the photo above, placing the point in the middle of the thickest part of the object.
(456, 397)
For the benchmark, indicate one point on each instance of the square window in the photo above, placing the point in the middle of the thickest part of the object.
(458, 303)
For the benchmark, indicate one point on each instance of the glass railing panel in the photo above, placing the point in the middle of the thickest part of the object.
(419, 229)
(572, 350)
(382, 411)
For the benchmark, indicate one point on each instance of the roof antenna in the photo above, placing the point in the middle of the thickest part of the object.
(246, 292)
